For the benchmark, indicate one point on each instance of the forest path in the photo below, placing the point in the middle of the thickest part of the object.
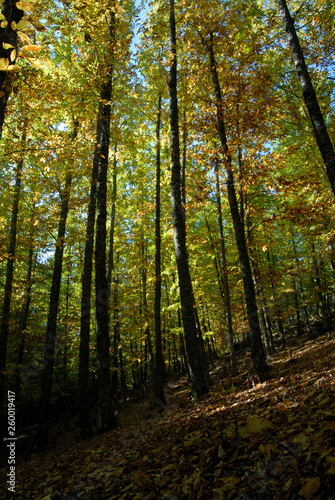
(274, 440)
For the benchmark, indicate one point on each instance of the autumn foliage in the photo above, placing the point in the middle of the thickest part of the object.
(167, 211)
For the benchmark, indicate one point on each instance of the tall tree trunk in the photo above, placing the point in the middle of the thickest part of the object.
(255, 338)
(106, 418)
(321, 134)
(101, 287)
(110, 260)
(112, 293)
(265, 320)
(85, 317)
(298, 267)
(158, 375)
(117, 350)
(216, 263)
(24, 320)
(197, 370)
(147, 333)
(277, 306)
(297, 307)
(225, 279)
(66, 330)
(4, 332)
(9, 36)
(183, 163)
(319, 291)
(50, 340)
(331, 250)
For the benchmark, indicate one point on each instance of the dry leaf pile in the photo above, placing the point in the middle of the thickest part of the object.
(274, 440)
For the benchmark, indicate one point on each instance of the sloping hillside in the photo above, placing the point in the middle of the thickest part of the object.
(244, 440)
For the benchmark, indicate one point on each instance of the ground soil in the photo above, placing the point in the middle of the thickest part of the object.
(243, 440)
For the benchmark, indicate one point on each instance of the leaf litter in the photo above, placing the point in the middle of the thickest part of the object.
(244, 440)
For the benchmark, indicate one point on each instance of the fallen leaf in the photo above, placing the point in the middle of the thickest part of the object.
(310, 488)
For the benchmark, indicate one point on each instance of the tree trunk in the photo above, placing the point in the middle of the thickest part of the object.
(85, 318)
(112, 293)
(106, 417)
(321, 134)
(265, 320)
(9, 36)
(158, 375)
(101, 287)
(197, 370)
(24, 320)
(225, 279)
(50, 341)
(183, 163)
(147, 334)
(297, 307)
(297, 262)
(110, 260)
(255, 339)
(4, 332)
(319, 291)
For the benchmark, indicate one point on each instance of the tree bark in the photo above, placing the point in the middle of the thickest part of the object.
(8, 35)
(265, 320)
(159, 370)
(225, 279)
(51, 333)
(112, 292)
(101, 287)
(255, 339)
(85, 317)
(110, 260)
(321, 134)
(24, 318)
(4, 332)
(106, 418)
(197, 369)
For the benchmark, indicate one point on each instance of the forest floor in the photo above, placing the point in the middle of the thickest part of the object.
(271, 440)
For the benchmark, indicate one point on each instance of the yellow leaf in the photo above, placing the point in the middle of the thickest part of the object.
(31, 48)
(12, 56)
(3, 24)
(331, 470)
(302, 440)
(24, 6)
(35, 63)
(7, 46)
(267, 449)
(12, 68)
(310, 488)
(22, 25)
(3, 63)
(23, 37)
(256, 425)
(2, 16)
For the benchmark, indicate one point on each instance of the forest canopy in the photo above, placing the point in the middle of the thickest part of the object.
(109, 111)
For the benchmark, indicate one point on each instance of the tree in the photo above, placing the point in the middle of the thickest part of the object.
(225, 281)
(255, 339)
(10, 270)
(106, 418)
(158, 375)
(321, 133)
(10, 17)
(85, 314)
(51, 332)
(192, 333)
